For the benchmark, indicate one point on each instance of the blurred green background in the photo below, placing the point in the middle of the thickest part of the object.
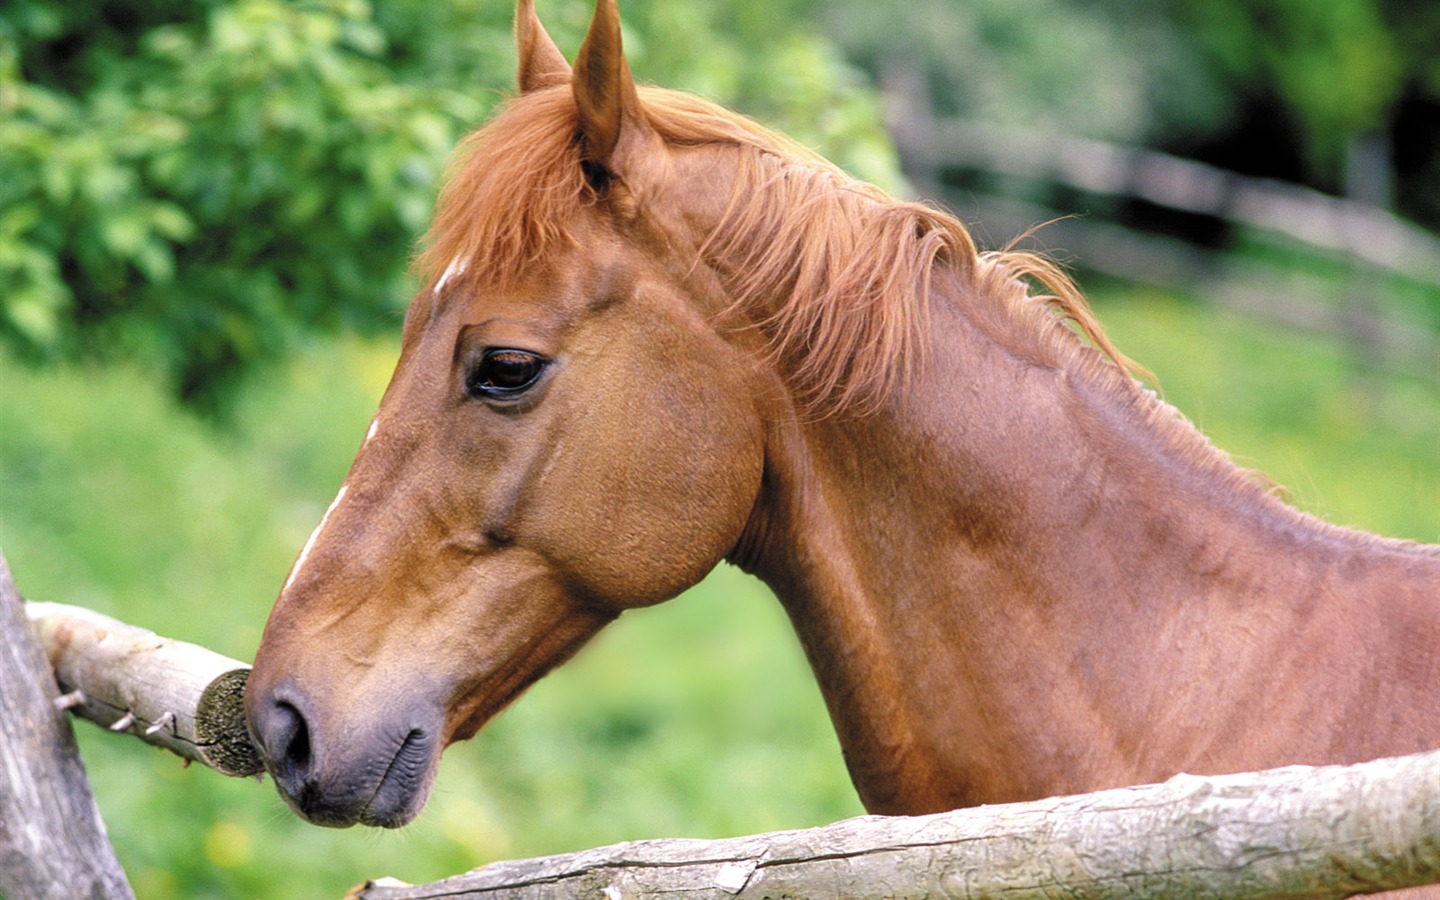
(206, 213)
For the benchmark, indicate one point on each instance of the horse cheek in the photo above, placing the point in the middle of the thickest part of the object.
(670, 485)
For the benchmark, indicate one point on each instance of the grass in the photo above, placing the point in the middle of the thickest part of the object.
(695, 718)
(1348, 445)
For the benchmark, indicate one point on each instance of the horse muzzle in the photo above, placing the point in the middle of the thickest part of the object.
(343, 775)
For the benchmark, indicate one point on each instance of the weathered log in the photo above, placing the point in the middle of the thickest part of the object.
(175, 695)
(52, 840)
(1297, 832)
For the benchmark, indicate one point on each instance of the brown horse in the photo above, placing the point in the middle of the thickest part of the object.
(656, 336)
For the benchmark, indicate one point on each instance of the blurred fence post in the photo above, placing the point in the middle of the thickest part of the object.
(52, 839)
(1377, 244)
(1369, 179)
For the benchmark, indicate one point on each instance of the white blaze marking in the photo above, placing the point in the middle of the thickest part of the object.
(305, 551)
(456, 268)
(374, 429)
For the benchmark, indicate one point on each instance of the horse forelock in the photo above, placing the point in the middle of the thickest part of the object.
(835, 272)
(509, 195)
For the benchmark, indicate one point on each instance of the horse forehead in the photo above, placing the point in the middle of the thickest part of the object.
(560, 289)
(598, 267)
(456, 301)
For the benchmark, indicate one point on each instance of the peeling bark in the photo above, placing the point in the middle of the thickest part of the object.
(52, 840)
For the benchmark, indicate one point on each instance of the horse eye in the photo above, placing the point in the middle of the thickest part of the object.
(502, 374)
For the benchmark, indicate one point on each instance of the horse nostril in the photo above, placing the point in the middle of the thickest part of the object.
(293, 738)
(285, 738)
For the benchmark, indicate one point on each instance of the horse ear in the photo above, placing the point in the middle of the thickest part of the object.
(541, 62)
(604, 90)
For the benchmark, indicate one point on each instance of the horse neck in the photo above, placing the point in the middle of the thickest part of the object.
(1006, 578)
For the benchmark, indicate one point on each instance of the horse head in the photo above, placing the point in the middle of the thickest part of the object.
(566, 436)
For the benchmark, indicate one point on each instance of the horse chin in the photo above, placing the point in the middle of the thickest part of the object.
(392, 801)
(406, 784)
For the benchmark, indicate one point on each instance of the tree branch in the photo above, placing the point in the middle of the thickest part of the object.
(175, 695)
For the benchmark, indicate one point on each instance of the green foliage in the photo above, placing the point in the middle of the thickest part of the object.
(795, 81)
(1073, 67)
(200, 201)
(1336, 66)
(199, 187)
(1289, 83)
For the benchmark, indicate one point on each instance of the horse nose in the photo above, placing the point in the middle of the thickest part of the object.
(377, 777)
(283, 736)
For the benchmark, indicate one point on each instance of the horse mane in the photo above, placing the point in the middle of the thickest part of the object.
(855, 269)
(853, 265)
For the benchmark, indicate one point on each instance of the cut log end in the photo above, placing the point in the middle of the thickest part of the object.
(220, 727)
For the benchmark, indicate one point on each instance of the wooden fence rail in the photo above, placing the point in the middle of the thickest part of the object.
(1297, 832)
(179, 696)
(1355, 230)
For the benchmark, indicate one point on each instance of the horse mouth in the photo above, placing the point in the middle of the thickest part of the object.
(405, 786)
(391, 801)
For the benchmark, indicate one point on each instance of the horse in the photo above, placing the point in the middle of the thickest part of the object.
(654, 336)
